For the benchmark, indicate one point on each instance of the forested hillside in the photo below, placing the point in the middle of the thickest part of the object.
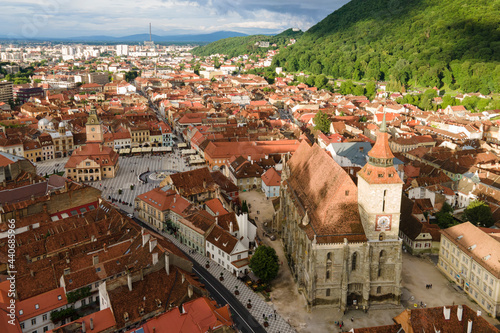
(246, 45)
(455, 43)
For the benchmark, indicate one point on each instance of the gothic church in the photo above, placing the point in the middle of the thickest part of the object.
(341, 240)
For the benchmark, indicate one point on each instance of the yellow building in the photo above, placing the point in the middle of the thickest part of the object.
(33, 151)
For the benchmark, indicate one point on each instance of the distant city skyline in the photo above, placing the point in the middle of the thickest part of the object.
(64, 18)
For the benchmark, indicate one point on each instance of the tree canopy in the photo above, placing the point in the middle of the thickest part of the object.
(264, 263)
(322, 122)
(478, 212)
(236, 46)
(427, 43)
(445, 218)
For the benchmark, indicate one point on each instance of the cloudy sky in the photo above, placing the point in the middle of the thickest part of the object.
(70, 18)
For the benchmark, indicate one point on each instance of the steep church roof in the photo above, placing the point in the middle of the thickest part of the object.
(325, 195)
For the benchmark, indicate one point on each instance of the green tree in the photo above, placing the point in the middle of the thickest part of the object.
(321, 81)
(322, 122)
(479, 213)
(444, 217)
(347, 87)
(359, 90)
(264, 263)
(244, 207)
(371, 89)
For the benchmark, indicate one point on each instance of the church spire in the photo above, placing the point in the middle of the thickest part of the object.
(381, 154)
(383, 127)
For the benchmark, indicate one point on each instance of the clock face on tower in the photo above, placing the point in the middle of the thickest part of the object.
(383, 223)
(93, 129)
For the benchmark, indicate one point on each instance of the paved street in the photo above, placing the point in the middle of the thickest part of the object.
(128, 174)
(259, 308)
(222, 292)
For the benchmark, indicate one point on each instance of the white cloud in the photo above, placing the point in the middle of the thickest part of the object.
(65, 18)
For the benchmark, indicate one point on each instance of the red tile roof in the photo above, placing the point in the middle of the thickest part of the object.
(42, 303)
(94, 151)
(102, 320)
(216, 206)
(198, 316)
(323, 190)
(271, 177)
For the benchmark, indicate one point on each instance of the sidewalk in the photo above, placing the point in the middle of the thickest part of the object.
(259, 306)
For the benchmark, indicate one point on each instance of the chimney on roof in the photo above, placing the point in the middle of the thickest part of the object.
(190, 291)
(167, 263)
(460, 311)
(446, 313)
(216, 220)
(175, 198)
(469, 326)
(479, 313)
(129, 281)
(152, 244)
(32, 272)
(145, 238)
(95, 260)
(91, 324)
(231, 228)
(84, 329)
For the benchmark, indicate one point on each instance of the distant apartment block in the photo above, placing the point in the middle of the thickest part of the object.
(122, 50)
(99, 78)
(6, 91)
(24, 94)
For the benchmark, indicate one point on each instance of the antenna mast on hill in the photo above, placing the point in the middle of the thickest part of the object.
(149, 31)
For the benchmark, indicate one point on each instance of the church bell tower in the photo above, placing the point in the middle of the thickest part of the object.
(379, 191)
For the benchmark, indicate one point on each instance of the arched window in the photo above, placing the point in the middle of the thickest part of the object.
(329, 258)
(379, 290)
(354, 259)
(382, 256)
(381, 236)
(383, 200)
(327, 275)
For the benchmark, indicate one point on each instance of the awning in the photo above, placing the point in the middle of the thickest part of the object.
(188, 152)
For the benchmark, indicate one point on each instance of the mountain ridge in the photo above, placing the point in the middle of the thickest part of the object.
(246, 44)
(409, 42)
(206, 38)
